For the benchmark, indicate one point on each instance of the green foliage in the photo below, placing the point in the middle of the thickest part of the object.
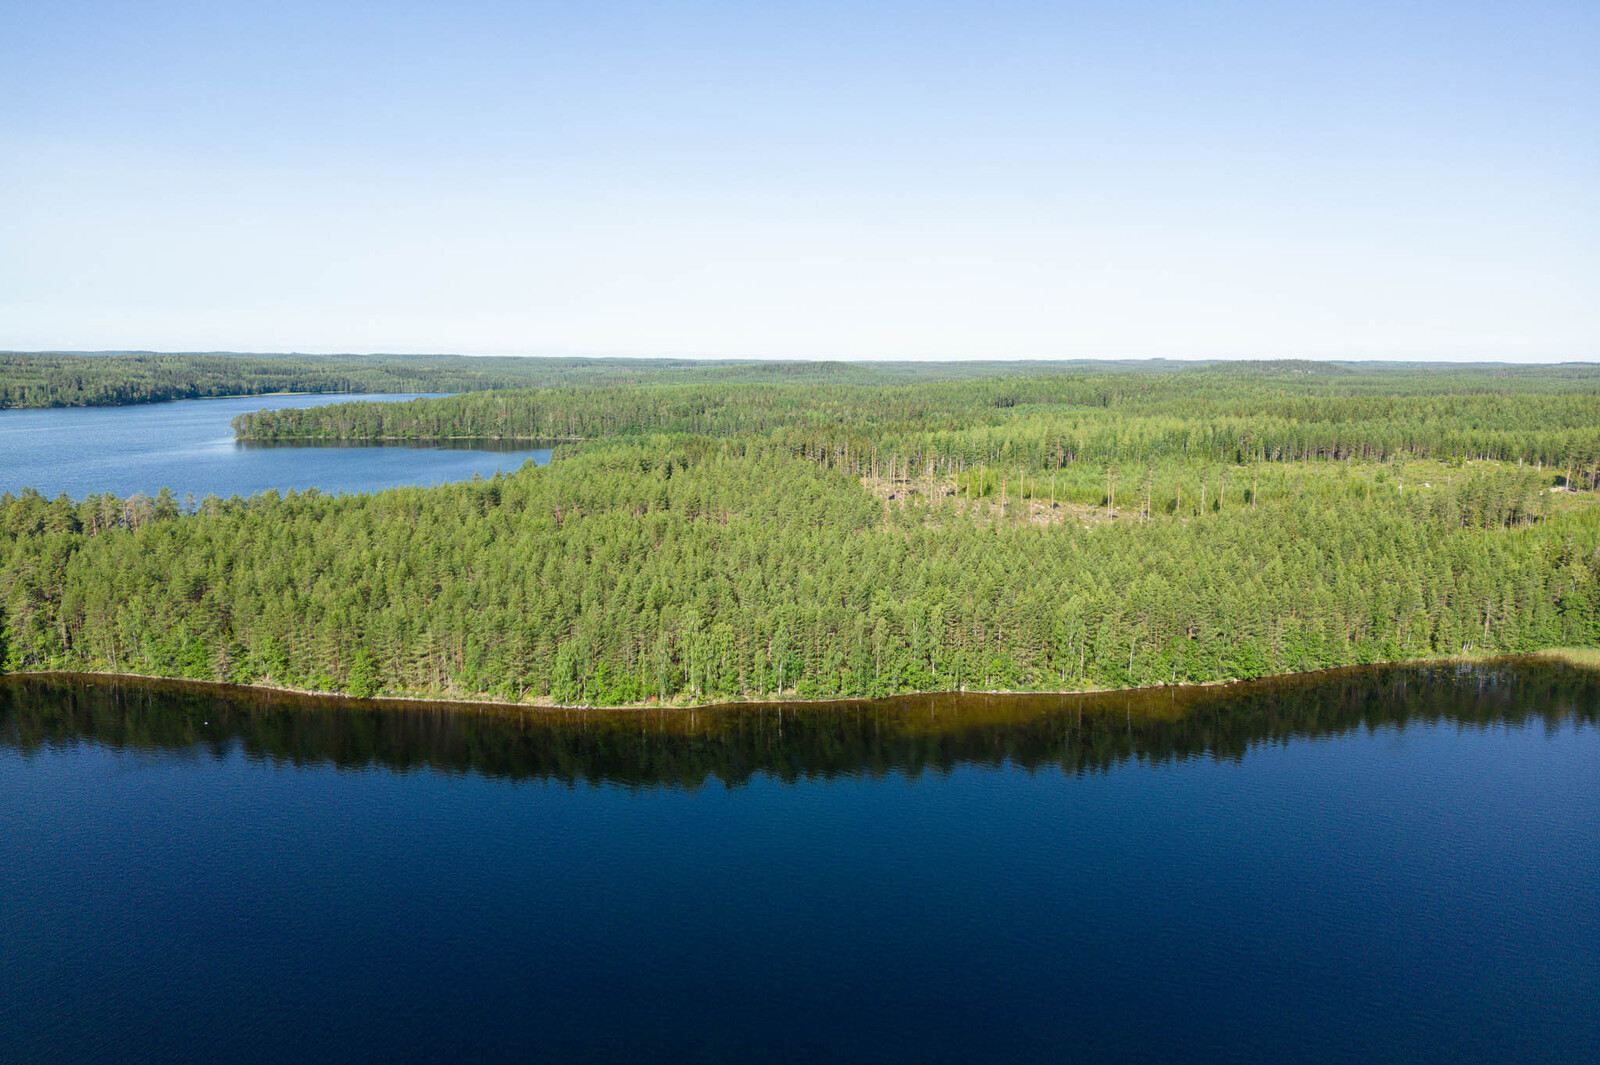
(1060, 421)
(48, 379)
(362, 681)
(692, 568)
(748, 530)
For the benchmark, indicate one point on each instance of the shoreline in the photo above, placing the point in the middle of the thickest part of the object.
(503, 438)
(355, 397)
(1577, 657)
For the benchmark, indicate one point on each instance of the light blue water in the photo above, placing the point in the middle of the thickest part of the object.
(188, 446)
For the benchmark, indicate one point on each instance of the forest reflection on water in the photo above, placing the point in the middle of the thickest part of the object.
(688, 749)
(1376, 864)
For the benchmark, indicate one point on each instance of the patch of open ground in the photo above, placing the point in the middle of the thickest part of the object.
(905, 491)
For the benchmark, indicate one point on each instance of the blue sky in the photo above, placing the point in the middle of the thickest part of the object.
(856, 180)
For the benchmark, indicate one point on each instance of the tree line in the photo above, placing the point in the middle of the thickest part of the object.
(1037, 422)
(679, 567)
(69, 379)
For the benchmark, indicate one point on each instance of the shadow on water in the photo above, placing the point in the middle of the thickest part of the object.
(687, 749)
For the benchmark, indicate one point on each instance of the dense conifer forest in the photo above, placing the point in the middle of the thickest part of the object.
(699, 538)
(109, 379)
(1239, 413)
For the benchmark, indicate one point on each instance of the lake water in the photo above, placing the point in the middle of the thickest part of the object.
(1396, 864)
(188, 446)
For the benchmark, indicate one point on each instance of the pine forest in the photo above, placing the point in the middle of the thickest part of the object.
(717, 532)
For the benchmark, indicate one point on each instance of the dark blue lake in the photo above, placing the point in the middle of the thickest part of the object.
(1393, 864)
(188, 446)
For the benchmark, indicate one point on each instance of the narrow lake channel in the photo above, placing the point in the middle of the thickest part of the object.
(188, 446)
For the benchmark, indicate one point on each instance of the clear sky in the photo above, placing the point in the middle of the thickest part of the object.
(857, 179)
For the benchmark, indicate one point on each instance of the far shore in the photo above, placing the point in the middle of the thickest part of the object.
(1581, 657)
(271, 395)
(508, 438)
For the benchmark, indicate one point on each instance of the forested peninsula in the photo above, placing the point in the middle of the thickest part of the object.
(699, 539)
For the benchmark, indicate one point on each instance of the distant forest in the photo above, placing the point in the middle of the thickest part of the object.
(110, 379)
(699, 538)
(1239, 413)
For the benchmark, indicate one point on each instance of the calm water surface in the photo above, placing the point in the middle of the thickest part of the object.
(188, 446)
(1390, 865)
